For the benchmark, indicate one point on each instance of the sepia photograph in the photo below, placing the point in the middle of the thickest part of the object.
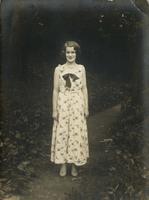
(74, 100)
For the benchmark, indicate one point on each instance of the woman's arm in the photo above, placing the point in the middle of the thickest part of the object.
(55, 92)
(85, 92)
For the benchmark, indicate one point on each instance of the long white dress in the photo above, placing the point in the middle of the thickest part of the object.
(69, 133)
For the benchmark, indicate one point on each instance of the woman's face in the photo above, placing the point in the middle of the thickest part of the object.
(70, 54)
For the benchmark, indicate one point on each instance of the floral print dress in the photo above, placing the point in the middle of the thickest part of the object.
(69, 133)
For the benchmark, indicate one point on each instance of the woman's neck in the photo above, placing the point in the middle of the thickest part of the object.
(70, 65)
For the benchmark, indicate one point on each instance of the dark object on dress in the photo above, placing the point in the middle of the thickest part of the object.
(67, 79)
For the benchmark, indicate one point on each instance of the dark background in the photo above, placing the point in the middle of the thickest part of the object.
(109, 33)
(33, 34)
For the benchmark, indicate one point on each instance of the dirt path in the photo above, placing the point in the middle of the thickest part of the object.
(49, 186)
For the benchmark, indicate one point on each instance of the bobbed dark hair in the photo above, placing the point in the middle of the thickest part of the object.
(70, 44)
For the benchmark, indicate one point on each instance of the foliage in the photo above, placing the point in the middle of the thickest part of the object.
(103, 94)
(128, 137)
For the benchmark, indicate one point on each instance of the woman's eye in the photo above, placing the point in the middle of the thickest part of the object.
(70, 52)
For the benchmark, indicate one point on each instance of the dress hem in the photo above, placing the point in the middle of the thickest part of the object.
(69, 162)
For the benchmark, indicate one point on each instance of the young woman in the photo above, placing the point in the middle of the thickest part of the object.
(70, 110)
